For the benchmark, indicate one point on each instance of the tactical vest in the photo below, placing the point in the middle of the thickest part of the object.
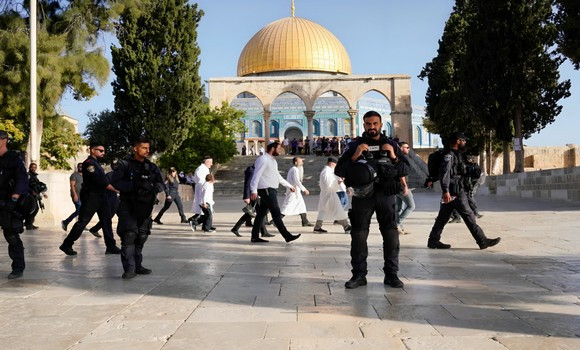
(8, 165)
(144, 191)
(457, 173)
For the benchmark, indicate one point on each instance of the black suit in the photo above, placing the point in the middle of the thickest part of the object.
(247, 193)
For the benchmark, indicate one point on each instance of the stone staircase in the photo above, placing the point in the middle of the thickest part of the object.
(230, 176)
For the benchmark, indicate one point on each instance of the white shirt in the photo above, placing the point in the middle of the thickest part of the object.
(207, 192)
(266, 174)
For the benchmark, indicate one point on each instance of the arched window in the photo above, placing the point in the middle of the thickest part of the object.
(274, 129)
(417, 137)
(389, 129)
(332, 129)
(256, 129)
(316, 124)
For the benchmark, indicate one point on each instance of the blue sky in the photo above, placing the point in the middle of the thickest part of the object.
(381, 37)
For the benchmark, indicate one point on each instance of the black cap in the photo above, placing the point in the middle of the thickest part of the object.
(3, 134)
(457, 136)
(332, 160)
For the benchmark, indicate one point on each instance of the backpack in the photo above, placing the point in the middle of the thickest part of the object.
(434, 163)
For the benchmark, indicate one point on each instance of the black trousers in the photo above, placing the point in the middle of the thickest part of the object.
(92, 203)
(11, 226)
(113, 201)
(133, 235)
(175, 199)
(247, 218)
(207, 219)
(29, 221)
(360, 218)
(268, 201)
(461, 204)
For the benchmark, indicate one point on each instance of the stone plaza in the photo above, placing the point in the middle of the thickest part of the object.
(217, 291)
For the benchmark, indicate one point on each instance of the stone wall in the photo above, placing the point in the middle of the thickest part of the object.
(558, 184)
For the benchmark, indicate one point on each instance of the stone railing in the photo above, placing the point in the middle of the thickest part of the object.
(559, 184)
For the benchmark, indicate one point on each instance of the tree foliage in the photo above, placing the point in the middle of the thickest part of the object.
(60, 143)
(568, 21)
(158, 91)
(68, 57)
(212, 133)
(109, 130)
(496, 70)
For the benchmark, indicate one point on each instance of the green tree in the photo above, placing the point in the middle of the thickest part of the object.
(60, 143)
(568, 21)
(109, 130)
(212, 133)
(158, 91)
(68, 59)
(510, 70)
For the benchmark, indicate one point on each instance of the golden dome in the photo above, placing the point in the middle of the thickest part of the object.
(293, 44)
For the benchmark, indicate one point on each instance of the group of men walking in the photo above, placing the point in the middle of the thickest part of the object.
(372, 166)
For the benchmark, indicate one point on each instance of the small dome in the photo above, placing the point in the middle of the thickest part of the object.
(293, 44)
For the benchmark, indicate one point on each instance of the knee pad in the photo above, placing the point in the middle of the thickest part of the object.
(129, 237)
(142, 237)
(13, 239)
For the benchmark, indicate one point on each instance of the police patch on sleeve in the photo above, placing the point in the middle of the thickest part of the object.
(448, 157)
(91, 168)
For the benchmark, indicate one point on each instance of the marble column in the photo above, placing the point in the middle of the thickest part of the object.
(353, 113)
(247, 144)
(256, 148)
(310, 117)
(266, 127)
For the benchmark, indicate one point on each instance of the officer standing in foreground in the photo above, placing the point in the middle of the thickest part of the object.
(139, 181)
(93, 200)
(384, 155)
(13, 185)
(452, 174)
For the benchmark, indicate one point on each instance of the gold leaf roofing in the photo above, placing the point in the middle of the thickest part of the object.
(293, 44)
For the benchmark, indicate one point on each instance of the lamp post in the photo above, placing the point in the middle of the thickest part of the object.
(34, 151)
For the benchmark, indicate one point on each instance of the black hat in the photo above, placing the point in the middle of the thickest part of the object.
(457, 136)
(3, 134)
(332, 160)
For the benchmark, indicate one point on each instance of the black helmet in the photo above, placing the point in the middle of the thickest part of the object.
(361, 176)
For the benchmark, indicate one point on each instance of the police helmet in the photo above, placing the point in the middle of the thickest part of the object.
(361, 176)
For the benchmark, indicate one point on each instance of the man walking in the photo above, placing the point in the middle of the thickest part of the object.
(93, 200)
(265, 184)
(452, 174)
(199, 179)
(329, 205)
(294, 202)
(405, 200)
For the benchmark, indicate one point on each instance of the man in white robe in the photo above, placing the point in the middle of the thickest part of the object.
(199, 179)
(294, 202)
(329, 206)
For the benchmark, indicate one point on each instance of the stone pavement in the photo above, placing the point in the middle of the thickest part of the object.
(217, 291)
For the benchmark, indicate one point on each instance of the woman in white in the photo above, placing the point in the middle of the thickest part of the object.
(329, 206)
(294, 202)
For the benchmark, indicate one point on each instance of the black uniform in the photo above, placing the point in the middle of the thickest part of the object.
(383, 202)
(35, 188)
(452, 176)
(93, 200)
(13, 180)
(139, 183)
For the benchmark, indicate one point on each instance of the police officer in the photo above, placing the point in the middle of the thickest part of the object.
(391, 164)
(37, 189)
(93, 200)
(139, 181)
(13, 185)
(452, 174)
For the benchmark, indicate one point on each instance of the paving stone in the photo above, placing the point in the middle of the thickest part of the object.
(297, 330)
(539, 343)
(346, 344)
(120, 330)
(452, 343)
(220, 292)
